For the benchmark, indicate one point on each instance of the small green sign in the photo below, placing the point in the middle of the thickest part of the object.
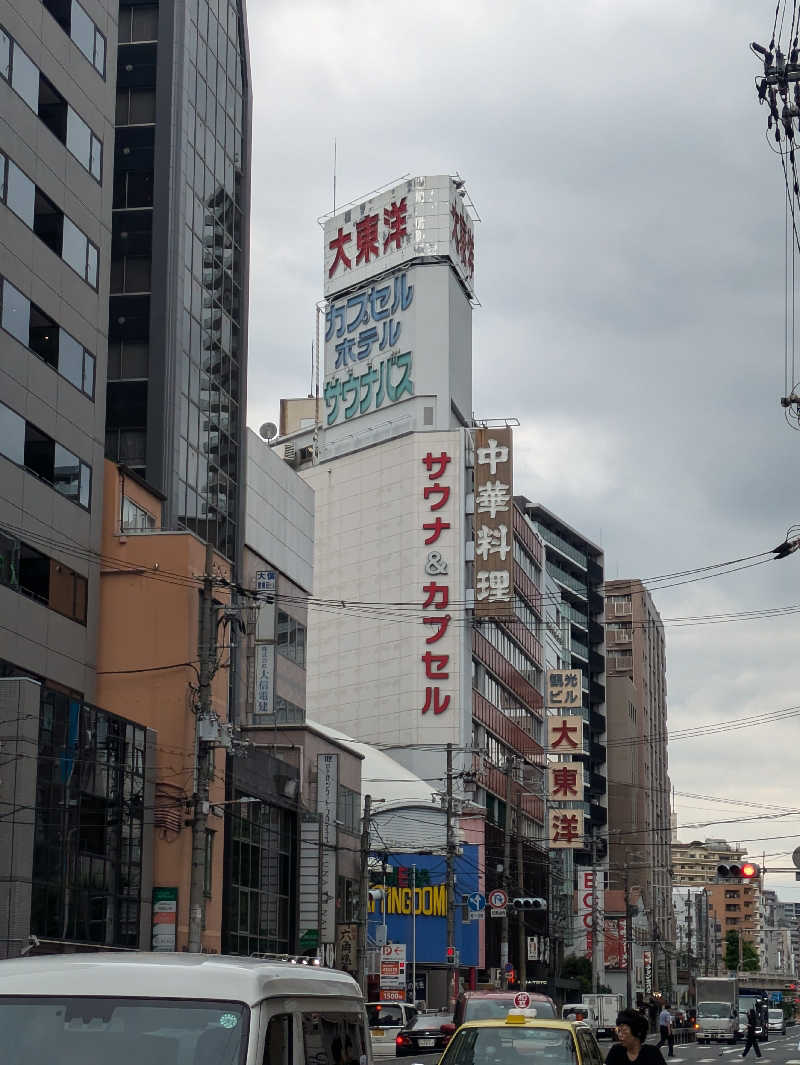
(309, 938)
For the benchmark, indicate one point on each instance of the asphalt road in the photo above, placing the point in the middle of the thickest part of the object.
(778, 1050)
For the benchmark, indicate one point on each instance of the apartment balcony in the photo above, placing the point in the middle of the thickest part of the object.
(566, 580)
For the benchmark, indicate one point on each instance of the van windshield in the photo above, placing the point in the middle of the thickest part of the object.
(122, 1031)
(713, 1009)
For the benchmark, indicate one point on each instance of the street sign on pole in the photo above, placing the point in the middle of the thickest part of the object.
(498, 899)
(476, 902)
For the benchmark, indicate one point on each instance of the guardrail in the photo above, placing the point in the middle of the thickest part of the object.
(684, 1035)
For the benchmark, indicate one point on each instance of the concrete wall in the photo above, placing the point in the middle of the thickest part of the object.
(147, 658)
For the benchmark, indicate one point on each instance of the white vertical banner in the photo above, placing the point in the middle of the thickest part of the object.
(585, 908)
(327, 795)
(264, 680)
(327, 917)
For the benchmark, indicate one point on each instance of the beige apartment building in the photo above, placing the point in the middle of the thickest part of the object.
(638, 779)
(695, 863)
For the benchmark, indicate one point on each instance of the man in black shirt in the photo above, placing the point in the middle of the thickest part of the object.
(751, 1039)
(631, 1048)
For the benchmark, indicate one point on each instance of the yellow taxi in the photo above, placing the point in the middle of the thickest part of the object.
(521, 1039)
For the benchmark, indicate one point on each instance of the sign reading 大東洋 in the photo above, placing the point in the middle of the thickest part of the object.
(419, 218)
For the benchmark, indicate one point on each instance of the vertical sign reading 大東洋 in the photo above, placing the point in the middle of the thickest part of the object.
(494, 535)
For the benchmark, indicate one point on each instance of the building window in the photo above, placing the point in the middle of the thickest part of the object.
(42, 335)
(291, 640)
(263, 880)
(87, 863)
(138, 24)
(27, 446)
(135, 107)
(46, 101)
(48, 222)
(73, 20)
(135, 518)
(32, 573)
(346, 900)
(348, 810)
(286, 713)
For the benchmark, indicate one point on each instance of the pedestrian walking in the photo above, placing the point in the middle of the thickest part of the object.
(665, 1028)
(750, 1038)
(632, 1030)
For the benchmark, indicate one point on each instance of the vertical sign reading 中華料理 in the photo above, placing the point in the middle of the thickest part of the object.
(494, 523)
(438, 503)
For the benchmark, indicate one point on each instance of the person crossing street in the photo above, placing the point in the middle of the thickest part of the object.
(665, 1023)
(751, 1039)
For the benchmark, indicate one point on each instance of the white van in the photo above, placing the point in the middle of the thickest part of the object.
(581, 1013)
(386, 1020)
(776, 1022)
(178, 1009)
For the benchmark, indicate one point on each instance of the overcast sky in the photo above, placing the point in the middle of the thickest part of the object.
(630, 267)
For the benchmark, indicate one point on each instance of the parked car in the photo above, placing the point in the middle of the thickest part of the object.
(386, 1019)
(776, 1021)
(423, 1035)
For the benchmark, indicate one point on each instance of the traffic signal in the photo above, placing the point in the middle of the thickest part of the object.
(745, 871)
(452, 956)
(528, 903)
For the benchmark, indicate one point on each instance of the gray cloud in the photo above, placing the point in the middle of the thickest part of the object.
(630, 268)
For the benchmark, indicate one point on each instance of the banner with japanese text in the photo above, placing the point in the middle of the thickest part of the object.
(494, 523)
(565, 781)
(563, 689)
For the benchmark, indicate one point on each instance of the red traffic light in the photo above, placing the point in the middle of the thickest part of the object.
(750, 870)
(451, 953)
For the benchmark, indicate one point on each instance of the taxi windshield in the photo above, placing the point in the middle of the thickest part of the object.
(512, 1045)
(119, 1031)
(496, 1009)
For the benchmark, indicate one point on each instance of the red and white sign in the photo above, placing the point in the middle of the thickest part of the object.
(392, 996)
(497, 899)
(421, 217)
(522, 1000)
(436, 617)
(393, 967)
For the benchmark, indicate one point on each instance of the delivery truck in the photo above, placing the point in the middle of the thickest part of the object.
(717, 1009)
(606, 1008)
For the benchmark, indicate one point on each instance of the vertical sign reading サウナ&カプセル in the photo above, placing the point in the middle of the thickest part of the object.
(494, 523)
(438, 506)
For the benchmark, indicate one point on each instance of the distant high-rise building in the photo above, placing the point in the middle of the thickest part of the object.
(179, 270)
(575, 564)
(636, 710)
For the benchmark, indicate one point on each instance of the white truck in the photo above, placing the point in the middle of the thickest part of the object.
(606, 1008)
(717, 1009)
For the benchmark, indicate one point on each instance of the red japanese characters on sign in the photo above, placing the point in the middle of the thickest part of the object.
(565, 781)
(436, 588)
(368, 239)
(564, 734)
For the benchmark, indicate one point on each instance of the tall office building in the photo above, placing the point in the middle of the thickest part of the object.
(179, 270)
(639, 788)
(575, 564)
(70, 848)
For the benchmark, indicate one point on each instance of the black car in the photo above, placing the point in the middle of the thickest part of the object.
(423, 1035)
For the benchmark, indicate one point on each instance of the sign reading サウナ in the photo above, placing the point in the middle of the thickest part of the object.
(494, 537)
(436, 617)
(421, 217)
(369, 348)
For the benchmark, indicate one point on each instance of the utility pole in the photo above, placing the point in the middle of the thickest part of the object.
(522, 945)
(364, 893)
(450, 856)
(628, 941)
(207, 653)
(689, 943)
(506, 867)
